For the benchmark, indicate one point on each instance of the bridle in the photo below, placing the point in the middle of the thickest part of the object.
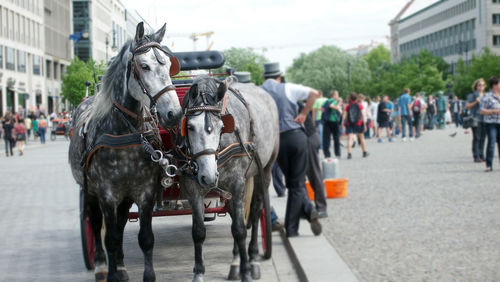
(136, 70)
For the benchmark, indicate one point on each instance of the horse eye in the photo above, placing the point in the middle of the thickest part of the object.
(145, 67)
(190, 127)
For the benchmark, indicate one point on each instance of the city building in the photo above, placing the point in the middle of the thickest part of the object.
(22, 42)
(451, 29)
(58, 51)
(104, 26)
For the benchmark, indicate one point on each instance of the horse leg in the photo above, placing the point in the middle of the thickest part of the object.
(234, 270)
(95, 216)
(122, 218)
(198, 233)
(111, 239)
(253, 247)
(239, 231)
(147, 240)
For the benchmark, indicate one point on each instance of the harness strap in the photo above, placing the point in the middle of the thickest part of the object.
(163, 91)
(132, 114)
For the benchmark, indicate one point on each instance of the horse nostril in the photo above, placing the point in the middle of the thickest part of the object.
(170, 115)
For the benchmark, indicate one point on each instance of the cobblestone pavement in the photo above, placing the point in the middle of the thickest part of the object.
(40, 235)
(418, 211)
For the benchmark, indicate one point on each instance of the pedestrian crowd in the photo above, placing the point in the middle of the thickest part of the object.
(16, 130)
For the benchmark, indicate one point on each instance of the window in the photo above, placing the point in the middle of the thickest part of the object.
(21, 61)
(11, 61)
(36, 65)
(47, 68)
(495, 1)
(496, 40)
(1, 57)
(496, 19)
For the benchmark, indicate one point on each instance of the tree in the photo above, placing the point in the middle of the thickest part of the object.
(378, 57)
(73, 81)
(484, 66)
(329, 68)
(242, 59)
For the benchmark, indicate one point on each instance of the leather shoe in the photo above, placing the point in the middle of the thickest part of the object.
(477, 160)
(277, 226)
(315, 225)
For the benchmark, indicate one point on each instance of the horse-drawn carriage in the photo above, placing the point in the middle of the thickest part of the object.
(171, 202)
(60, 127)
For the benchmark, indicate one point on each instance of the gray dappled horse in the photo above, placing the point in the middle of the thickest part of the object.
(136, 83)
(206, 131)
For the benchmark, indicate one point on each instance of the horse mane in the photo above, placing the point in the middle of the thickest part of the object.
(202, 84)
(113, 80)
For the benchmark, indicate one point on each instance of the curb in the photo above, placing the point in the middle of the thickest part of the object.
(293, 257)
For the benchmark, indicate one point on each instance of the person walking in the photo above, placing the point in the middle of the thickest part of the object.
(456, 109)
(356, 124)
(366, 103)
(404, 103)
(374, 113)
(396, 119)
(42, 128)
(479, 130)
(417, 107)
(20, 135)
(442, 106)
(28, 124)
(36, 134)
(313, 170)
(292, 156)
(278, 185)
(431, 112)
(384, 113)
(317, 113)
(331, 124)
(490, 109)
(8, 137)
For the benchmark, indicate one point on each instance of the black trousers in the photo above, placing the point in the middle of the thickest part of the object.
(9, 144)
(278, 180)
(313, 172)
(331, 128)
(292, 158)
(478, 141)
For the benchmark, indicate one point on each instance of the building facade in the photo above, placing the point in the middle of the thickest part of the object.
(21, 56)
(451, 29)
(103, 26)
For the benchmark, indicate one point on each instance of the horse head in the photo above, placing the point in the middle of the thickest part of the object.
(149, 68)
(203, 124)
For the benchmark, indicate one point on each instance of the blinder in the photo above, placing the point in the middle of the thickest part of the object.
(227, 125)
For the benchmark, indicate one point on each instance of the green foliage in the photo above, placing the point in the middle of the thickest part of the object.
(73, 81)
(484, 66)
(327, 68)
(242, 59)
(378, 57)
(421, 73)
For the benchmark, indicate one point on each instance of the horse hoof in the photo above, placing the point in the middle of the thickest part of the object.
(234, 273)
(255, 268)
(149, 277)
(247, 277)
(101, 276)
(198, 278)
(122, 275)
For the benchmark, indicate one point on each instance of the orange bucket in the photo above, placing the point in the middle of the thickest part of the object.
(336, 188)
(310, 191)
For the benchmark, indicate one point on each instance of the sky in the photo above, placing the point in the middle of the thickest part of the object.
(286, 28)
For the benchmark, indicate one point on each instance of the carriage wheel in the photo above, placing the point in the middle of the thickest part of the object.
(266, 226)
(88, 243)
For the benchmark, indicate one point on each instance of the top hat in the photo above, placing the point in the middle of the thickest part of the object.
(243, 76)
(271, 69)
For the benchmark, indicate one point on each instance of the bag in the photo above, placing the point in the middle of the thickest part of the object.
(20, 137)
(416, 106)
(354, 114)
(325, 116)
(468, 121)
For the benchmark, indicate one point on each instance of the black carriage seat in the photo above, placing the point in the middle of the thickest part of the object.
(182, 82)
(200, 60)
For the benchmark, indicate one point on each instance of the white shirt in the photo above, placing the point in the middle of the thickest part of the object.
(374, 109)
(296, 92)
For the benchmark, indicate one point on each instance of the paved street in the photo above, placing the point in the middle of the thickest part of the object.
(40, 235)
(418, 211)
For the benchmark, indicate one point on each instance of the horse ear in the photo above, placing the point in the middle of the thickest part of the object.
(139, 32)
(193, 91)
(158, 36)
(221, 91)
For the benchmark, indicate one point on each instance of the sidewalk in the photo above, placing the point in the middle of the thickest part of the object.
(314, 257)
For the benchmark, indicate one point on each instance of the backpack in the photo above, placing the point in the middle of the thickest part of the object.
(354, 114)
(416, 106)
(325, 116)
